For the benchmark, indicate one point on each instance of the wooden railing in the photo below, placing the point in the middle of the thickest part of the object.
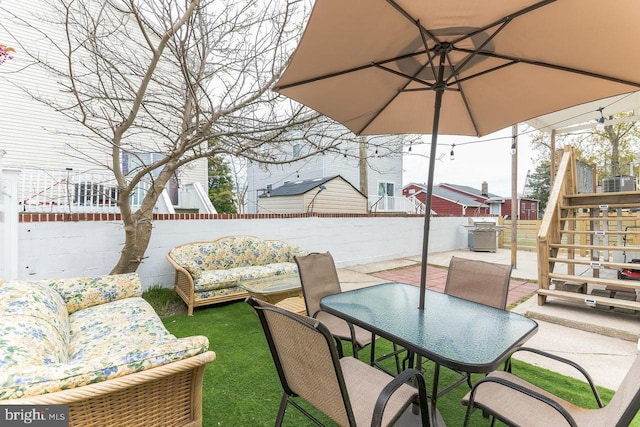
(594, 233)
(552, 224)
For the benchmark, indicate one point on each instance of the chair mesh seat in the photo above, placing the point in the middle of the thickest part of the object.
(518, 402)
(347, 390)
(520, 410)
(340, 328)
(368, 383)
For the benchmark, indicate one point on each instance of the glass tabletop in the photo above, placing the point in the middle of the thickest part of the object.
(273, 284)
(454, 332)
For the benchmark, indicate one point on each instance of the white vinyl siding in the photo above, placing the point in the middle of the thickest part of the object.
(387, 169)
(339, 197)
(33, 135)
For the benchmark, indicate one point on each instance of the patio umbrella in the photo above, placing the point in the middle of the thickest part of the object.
(460, 67)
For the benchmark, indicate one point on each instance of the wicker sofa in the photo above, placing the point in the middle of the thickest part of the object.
(212, 272)
(94, 344)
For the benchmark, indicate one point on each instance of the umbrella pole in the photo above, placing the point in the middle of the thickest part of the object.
(439, 88)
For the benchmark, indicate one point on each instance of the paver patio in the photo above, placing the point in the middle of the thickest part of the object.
(437, 277)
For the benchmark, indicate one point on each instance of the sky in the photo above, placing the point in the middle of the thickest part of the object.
(476, 160)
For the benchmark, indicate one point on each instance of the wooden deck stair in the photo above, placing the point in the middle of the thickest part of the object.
(585, 240)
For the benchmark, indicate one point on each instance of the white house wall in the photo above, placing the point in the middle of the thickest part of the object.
(281, 204)
(34, 135)
(386, 169)
(90, 248)
(338, 197)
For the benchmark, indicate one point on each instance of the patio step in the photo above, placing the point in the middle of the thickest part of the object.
(596, 233)
(592, 300)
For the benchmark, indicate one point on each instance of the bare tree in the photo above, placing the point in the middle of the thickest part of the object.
(610, 149)
(166, 82)
(238, 168)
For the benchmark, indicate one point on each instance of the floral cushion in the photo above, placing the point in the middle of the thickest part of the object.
(45, 349)
(118, 327)
(226, 292)
(31, 380)
(83, 292)
(233, 252)
(26, 341)
(34, 325)
(220, 279)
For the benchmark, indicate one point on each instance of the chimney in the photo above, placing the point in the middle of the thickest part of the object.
(485, 189)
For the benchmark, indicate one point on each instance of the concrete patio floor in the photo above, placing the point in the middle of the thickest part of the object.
(604, 343)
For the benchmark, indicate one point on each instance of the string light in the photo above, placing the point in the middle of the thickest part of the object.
(513, 148)
(452, 155)
(600, 120)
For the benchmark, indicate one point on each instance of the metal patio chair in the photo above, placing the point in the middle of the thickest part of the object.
(348, 391)
(319, 278)
(479, 281)
(514, 401)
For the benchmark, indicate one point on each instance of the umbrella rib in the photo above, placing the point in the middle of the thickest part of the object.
(421, 29)
(515, 60)
(475, 52)
(410, 79)
(481, 73)
(415, 22)
(457, 82)
(398, 73)
(505, 20)
(377, 64)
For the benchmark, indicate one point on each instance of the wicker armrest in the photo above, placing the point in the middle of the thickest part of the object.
(170, 394)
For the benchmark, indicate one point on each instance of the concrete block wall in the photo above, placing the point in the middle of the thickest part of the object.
(56, 249)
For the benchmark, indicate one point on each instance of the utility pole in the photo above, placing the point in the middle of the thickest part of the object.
(364, 177)
(514, 196)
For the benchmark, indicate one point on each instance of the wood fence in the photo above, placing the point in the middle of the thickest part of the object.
(527, 232)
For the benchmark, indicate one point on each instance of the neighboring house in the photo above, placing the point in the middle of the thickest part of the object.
(321, 195)
(445, 202)
(494, 202)
(451, 199)
(383, 175)
(62, 168)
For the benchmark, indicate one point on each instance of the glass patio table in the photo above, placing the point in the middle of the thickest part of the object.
(273, 289)
(453, 332)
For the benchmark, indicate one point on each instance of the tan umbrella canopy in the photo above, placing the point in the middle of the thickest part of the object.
(460, 67)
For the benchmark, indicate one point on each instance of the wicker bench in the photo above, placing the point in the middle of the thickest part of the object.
(95, 345)
(211, 272)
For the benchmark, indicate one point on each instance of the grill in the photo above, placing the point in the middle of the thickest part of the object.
(483, 236)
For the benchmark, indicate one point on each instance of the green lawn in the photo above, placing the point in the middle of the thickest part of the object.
(241, 387)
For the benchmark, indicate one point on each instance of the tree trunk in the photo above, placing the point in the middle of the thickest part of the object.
(139, 224)
(615, 150)
(137, 236)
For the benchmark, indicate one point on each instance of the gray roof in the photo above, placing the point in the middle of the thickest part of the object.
(473, 191)
(455, 197)
(295, 188)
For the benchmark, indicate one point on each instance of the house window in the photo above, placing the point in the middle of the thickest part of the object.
(133, 161)
(494, 209)
(386, 189)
